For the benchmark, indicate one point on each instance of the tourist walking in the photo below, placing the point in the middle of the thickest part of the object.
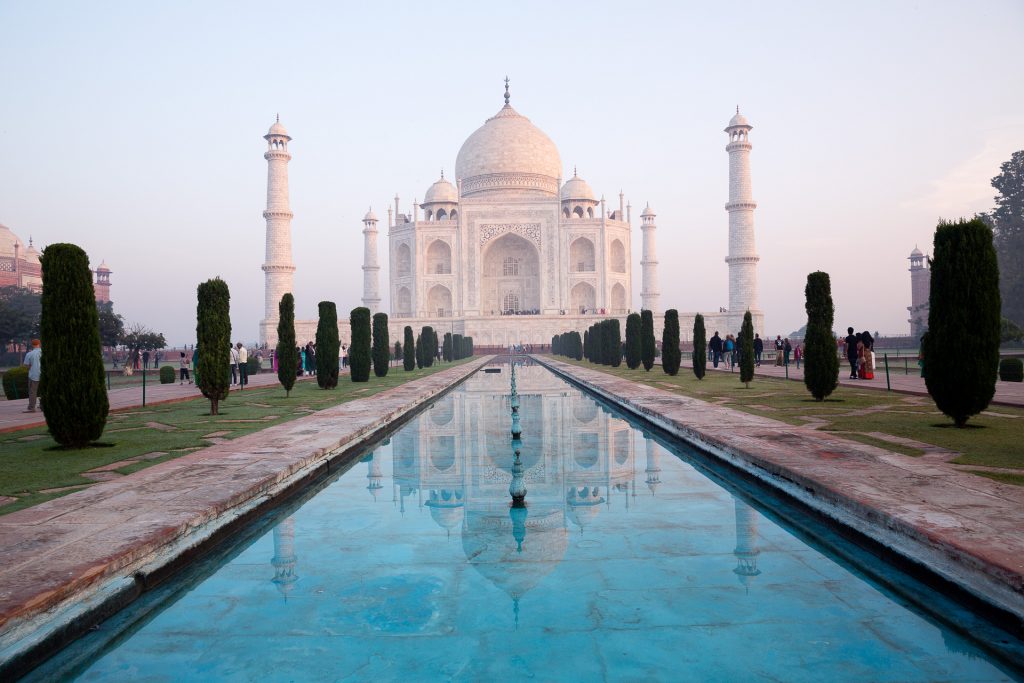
(798, 353)
(243, 364)
(758, 349)
(310, 359)
(730, 346)
(301, 353)
(715, 347)
(851, 351)
(183, 365)
(787, 349)
(233, 360)
(33, 359)
(778, 350)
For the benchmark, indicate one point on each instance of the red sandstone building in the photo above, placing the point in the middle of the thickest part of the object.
(19, 266)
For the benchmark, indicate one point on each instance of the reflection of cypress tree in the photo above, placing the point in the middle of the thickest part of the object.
(381, 345)
(287, 353)
(327, 346)
(700, 347)
(633, 350)
(647, 341)
(409, 350)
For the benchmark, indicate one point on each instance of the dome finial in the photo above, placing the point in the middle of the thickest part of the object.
(574, 170)
(737, 109)
(442, 174)
(506, 90)
(277, 117)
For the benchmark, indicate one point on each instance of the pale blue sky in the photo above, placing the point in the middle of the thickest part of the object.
(135, 130)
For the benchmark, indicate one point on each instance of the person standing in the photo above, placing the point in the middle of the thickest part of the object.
(234, 363)
(33, 359)
(715, 347)
(787, 349)
(798, 353)
(183, 365)
(344, 356)
(758, 349)
(851, 351)
(729, 348)
(243, 364)
(778, 350)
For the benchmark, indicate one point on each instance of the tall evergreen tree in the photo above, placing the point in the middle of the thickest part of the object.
(419, 351)
(458, 348)
(328, 346)
(670, 353)
(1007, 221)
(359, 350)
(586, 344)
(429, 346)
(700, 347)
(213, 336)
(614, 343)
(408, 350)
(633, 343)
(964, 308)
(381, 345)
(821, 361)
(578, 341)
(446, 347)
(74, 397)
(647, 342)
(286, 352)
(746, 344)
(398, 350)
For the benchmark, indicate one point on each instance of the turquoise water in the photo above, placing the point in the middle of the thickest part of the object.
(631, 562)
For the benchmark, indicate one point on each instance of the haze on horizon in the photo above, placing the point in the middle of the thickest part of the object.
(135, 131)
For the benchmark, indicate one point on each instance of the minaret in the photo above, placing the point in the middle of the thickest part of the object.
(920, 289)
(102, 285)
(743, 256)
(278, 266)
(653, 469)
(371, 270)
(746, 551)
(284, 559)
(650, 297)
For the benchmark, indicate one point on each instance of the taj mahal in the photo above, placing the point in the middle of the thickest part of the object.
(511, 252)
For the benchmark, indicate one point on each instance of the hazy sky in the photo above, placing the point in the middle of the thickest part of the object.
(135, 130)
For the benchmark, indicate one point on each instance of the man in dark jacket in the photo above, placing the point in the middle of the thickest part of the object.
(758, 349)
(851, 351)
(715, 346)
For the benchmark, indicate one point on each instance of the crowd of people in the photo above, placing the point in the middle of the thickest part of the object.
(728, 350)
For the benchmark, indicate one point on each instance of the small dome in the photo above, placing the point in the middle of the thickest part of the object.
(916, 253)
(648, 212)
(103, 266)
(370, 216)
(278, 129)
(739, 120)
(577, 188)
(31, 254)
(441, 191)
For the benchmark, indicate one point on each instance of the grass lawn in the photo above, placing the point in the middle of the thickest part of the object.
(33, 465)
(992, 439)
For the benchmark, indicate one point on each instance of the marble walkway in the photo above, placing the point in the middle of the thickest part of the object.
(97, 544)
(967, 529)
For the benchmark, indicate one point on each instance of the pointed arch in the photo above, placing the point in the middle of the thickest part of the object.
(618, 298)
(439, 258)
(403, 260)
(617, 257)
(581, 256)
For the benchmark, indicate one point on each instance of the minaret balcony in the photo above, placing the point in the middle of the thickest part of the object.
(278, 214)
(742, 205)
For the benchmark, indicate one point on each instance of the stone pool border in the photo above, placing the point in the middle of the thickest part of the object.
(73, 561)
(965, 530)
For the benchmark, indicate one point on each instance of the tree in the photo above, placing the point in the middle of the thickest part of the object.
(458, 347)
(446, 349)
(1009, 332)
(20, 309)
(746, 344)
(647, 341)
(614, 340)
(138, 338)
(670, 353)
(111, 327)
(408, 350)
(74, 396)
(964, 310)
(381, 345)
(398, 350)
(577, 346)
(1007, 222)
(328, 346)
(633, 350)
(586, 344)
(700, 347)
(287, 353)
(359, 349)
(821, 361)
(429, 345)
(213, 337)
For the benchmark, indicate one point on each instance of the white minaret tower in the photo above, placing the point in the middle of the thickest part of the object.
(920, 288)
(278, 266)
(650, 297)
(743, 256)
(371, 270)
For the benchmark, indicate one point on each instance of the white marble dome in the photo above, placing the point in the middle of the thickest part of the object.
(739, 120)
(7, 241)
(441, 192)
(508, 152)
(577, 188)
(278, 129)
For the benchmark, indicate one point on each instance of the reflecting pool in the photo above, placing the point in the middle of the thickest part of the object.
(631, 561)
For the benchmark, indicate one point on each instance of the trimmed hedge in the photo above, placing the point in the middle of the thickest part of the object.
(359, 351)
(1011, 370)
(648, 345)
(821, 362)
(15, 383)
(287, 353)
(381, 345)
(166, 374)
(213, 339)
(328, 346)
(700, 347)
(633, 344)
(670, 353)
(408, 350)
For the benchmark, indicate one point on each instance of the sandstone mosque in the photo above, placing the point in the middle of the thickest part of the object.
(511, 252)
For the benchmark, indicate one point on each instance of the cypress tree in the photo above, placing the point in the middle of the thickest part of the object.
(213, 335)
(586, 344)
(670, 354)
(746, 343)
(457, 347)
(408, 350)
(72, 386)
(398, 350)
(700, 347)
(286, 352)
(327, 346)
(381, 345)
(419, 351)
(964, 307)
(647, 341)
(577, 346)
(633, 350)
(429, 346)
(821, 361)
(554, 345)
(359, 349)
(614, 343)
(446, 347)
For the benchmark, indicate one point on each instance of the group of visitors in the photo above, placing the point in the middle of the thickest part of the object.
(860, 352)
(728, 350)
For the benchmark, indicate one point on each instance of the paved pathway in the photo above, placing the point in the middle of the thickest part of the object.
(111, 537)
(1007, 393)
(966, 528)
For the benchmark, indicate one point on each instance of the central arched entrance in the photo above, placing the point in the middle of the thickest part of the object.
(510, 282)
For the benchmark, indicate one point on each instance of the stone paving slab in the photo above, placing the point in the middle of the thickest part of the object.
(966, 528)
(63, 551)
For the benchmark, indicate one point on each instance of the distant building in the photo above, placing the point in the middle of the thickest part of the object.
(20, 267)
(920, 289)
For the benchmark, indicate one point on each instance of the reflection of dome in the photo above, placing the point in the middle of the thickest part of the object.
(584, 409)
(446, 508)
(441, 192)
(508, 153)
(584, 504)
(585, 458)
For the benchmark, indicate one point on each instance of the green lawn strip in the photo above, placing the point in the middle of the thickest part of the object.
(1004, 477)
(31, 466)
(988, 440)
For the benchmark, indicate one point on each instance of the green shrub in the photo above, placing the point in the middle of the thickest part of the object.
(670, 353)
(408, 350)
(648, 346)
(821, 361)
(700, 347)
(633, 344)
(287, 352)
(213, 338)
(328, 346)
(964, 306)
(166, 374)
(16, 383)
(73, 375)
(1010, 370)
(253, 364)
(381, 345)
(359, 351)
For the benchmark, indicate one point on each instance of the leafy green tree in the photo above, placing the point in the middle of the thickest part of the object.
(1007, 222)
(213, 336)
(287, 352)
(359, 349)
(408, 350)
(700, 347)
(20, 309)
(74, 396)
(381, 345)
(821, 360)
(670, 353)
(746, 344)
(1008, 332)
(446, 348)
(328, 346)
(964, 307)
(647, 342)
(633, 345)
(111, 327)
